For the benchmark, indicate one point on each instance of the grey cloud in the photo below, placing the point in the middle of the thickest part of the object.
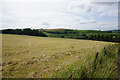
(89, 10)
(87, 21)
(83, 23)
(110, 13)
(104, 3)
(92, 21)
(81, 7)
(46, 23)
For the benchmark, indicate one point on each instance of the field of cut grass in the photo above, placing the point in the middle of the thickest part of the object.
(44, 57)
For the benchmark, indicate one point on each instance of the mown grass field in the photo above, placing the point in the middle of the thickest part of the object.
(44, 57)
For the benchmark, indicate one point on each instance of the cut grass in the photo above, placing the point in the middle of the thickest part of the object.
(40, 57)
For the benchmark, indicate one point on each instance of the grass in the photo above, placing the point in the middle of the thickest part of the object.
(44, 57)
(101, 65)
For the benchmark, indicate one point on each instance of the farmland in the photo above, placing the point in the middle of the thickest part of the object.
(45, 57)
(98, 35)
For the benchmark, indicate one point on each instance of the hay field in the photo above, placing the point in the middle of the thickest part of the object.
(41, 57)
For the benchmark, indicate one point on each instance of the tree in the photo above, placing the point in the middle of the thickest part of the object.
(102, 37)
(98, 37)
(26, 31)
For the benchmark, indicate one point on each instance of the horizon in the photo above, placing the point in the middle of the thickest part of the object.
(59, 28)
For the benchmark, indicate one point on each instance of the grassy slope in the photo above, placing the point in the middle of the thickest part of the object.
(76, 33)
(28, 56)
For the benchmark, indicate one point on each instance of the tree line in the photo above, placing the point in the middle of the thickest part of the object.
(26, 31)
(101, 37)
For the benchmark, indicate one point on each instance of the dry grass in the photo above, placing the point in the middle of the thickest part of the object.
(40, 57)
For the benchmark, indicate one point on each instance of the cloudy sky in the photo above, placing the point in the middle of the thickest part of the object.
(49, 14)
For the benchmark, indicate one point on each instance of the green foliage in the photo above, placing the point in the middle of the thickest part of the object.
(26, 31)
(111, 36)
(86, 34)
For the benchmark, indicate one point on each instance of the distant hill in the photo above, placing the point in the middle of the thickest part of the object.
(54, 29)
(86, 31)
(114, 31)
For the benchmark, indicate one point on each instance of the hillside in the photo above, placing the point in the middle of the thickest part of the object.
(109, 36)
(45, 57)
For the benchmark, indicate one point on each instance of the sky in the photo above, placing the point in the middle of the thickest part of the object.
(52, 14)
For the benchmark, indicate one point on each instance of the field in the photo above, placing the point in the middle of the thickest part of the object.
(44, 57)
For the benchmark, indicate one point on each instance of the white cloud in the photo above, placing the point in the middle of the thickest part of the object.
(32, 1)
(55, 14)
